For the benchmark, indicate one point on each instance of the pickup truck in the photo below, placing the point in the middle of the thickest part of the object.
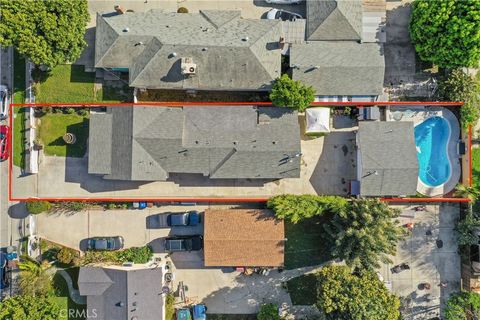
(184, 243)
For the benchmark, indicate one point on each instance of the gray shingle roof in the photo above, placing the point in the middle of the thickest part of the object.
(230, 52)
(388, 158)
(334, 20)
(117, 294)
(339, 67)
(219, 142)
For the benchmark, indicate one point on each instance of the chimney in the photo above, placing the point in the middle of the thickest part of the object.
(281, 42)
(119, 9)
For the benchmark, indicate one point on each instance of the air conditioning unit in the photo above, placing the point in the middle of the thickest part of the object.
(188, 67)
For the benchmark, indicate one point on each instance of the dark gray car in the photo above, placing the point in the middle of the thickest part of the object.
(105, 243)
(184, 243)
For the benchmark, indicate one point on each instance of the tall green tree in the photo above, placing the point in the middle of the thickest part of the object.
(290, 93)
(447, 32)
(295, 208)
(463, 305)
(34, 280)
(48, 32)
(343, 295)
(364, 234)
(23, 307)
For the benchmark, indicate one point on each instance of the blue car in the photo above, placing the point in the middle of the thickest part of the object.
(3, 271)
(183, 219)
(199, 312)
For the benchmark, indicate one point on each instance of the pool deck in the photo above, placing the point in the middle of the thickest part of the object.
(418, 114)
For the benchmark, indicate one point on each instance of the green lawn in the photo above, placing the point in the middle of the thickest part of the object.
(305, 245)
(71, 84)
(52, 128)
(476, 167)
(62, 299)
(303, 289)
(18, 113)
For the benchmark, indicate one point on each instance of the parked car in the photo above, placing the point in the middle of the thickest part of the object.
(184, 243)
(183, 314)
(199, 312)
(4, 104)
(283, 1)
(4, 130)
(283, 15)
(3, 271)
(183, 219)
(105, 243)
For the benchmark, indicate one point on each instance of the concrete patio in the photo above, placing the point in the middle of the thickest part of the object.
(431, 252)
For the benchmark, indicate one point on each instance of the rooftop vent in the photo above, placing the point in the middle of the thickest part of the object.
(126, 29)
(246, 39)
(119, 9)
(188, 67)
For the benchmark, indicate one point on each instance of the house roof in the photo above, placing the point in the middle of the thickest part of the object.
(388, 158)
(150, 143)
(339, 67)
(334, 20)
(120, 294)
(243, 237)
(230, 52)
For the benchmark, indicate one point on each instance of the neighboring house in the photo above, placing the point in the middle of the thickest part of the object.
(340, 68)
(243, 238)
(209, 50)
(116, 293)
(224, 142)
(387, 162)
(343, 57)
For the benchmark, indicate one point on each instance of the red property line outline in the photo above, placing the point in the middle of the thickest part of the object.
(224, 199)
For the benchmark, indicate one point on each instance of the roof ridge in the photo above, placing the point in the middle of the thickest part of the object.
(112, 29)
(149, 60)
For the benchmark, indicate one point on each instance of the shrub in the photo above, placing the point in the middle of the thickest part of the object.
(36, 207)
(290, 93)
(463, 305)
(136, 254)
(70, 110)
(469, 114)
(82, 112)
(111, 206)
(458, 86)
(268, 311)
(72, 205)
(66, 255)
(46, 110)
(182, 10)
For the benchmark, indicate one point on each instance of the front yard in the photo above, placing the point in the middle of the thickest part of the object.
(476, 167)
(71, 84)
(52, 128)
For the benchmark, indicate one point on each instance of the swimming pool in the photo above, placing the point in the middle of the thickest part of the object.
(431, 139)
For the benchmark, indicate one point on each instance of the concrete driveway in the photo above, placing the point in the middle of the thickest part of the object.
(431, 251)
(70, 229)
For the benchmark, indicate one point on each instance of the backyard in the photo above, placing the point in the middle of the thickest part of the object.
(71, 84)
(52, 128)
(66, 304)
(305, 245)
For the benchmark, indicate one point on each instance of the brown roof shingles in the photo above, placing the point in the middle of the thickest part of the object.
(243, 237)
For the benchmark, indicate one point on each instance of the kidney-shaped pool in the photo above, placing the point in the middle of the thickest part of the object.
(431, 139)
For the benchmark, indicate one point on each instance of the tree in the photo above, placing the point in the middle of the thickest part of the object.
(48, 32)
(447, 32)
(458, 86)
(464, 191)
(34, 279)
(466, 230)
(36, 207)
(290, 93)
(268, 311)
(29, 308)
(364, 234)
(462, 306)
(66, 255)
(343, 295)
(295, 208)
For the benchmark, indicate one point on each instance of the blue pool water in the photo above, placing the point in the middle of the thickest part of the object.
(431, 139)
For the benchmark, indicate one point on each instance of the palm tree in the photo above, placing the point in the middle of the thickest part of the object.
(35, 280)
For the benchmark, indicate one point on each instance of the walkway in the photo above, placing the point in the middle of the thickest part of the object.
(74, 293)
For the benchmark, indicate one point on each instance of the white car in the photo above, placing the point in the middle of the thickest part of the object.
(283, 15)
(283, 1)
(4, 104)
